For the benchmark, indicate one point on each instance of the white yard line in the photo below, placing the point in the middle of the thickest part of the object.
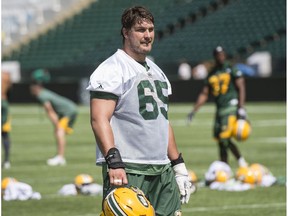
(223, 208)
(256, 123)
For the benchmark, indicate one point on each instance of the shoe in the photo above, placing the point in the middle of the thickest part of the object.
(56, 161)
(242, 162)
(6, 165)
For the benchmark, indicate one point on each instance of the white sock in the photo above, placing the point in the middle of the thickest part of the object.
(242, 162)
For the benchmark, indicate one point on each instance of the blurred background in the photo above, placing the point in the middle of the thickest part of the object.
(71, 38)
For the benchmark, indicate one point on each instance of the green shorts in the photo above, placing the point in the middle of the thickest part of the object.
(161, 190)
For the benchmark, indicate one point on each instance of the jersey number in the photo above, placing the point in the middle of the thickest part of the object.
(145, 99)
(219, 83)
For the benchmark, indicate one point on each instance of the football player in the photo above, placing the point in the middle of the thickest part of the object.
(5, 118)
(227, 85)
(129, 117)
(61, 111)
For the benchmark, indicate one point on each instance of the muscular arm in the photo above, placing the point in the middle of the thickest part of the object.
(101, 111)
(240, 85)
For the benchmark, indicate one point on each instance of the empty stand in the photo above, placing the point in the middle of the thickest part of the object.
(184, 28)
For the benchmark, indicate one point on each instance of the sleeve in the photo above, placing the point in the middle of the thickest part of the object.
(236, 73)
(106, 79)
(41, 98)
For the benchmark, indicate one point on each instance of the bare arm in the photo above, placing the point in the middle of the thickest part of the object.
(51, 113)
(101, 112)
(240, 85)
(173, 152)
(202, 98)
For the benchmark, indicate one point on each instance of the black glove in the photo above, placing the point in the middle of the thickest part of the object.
(241, 113)
(190, 117)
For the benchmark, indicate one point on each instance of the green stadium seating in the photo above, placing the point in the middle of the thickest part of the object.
(91, 36)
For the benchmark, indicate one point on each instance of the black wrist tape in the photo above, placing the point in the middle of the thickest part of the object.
(178, 160)
(113, 159)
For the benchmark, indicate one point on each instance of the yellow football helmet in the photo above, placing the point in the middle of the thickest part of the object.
(221, 176)
(6, 181)
(259, 170)
(127, 201)
(83, 179)
(241, 130)
(259, 167)
(192, 176)
(246, 175)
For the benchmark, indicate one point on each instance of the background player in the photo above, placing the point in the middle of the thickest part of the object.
(5, 118)
(227, 85)
(60, 110)
(129, 104)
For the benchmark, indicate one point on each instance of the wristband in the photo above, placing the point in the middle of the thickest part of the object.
(178, 160)
(114, 160)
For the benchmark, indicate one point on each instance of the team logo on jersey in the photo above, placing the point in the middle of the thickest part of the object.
(100, 86)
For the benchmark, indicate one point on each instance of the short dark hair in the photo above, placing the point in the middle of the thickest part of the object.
(133, 15)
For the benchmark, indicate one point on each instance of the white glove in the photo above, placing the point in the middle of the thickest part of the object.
(241, 113)
(185, 186)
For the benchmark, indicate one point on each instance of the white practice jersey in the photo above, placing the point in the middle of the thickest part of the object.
(139, 123)
(90, 189)
(20, 191)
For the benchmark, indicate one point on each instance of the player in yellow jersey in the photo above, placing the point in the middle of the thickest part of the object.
(227, 85)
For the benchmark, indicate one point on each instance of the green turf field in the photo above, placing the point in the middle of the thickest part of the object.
(33, 143)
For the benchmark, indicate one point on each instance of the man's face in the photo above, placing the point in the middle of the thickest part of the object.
(139, 38)
(220, 57)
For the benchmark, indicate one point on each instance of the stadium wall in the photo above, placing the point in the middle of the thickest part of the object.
(258, 89)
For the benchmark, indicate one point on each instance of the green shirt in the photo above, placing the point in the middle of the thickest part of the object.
(62, 106)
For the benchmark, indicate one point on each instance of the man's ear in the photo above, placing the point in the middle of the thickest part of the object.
(125, 32)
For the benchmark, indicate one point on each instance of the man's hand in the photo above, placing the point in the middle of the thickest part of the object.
(117, 174)
(185, 186)
(190, 117)
(182, 179)
(241, 113)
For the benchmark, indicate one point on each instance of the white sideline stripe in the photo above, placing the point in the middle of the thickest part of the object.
(272, 140)
(209, 109)
(223, 208)
(257, 123)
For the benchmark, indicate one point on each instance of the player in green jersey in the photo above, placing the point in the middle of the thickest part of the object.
(61, 111)
(129, 117)
(227, 85)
